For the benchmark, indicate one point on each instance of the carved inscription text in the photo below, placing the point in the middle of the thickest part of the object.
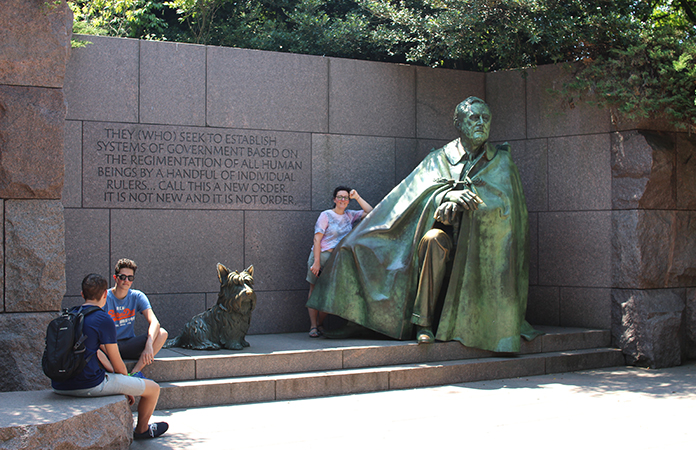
(152, 166)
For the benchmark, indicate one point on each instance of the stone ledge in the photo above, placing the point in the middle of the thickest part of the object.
(43, 419)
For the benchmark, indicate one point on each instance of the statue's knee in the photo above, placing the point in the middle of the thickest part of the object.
(437, 236)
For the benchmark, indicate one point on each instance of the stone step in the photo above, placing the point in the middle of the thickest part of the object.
(290, 366)
(288, 386)
(296, 353)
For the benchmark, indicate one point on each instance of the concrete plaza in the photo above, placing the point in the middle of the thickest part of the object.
(604, 408)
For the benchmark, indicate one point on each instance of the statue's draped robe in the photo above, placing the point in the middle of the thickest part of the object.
(372, 275)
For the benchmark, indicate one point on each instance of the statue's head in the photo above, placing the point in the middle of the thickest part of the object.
(472, 119)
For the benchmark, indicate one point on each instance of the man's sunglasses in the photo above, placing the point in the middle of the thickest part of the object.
(123, 277)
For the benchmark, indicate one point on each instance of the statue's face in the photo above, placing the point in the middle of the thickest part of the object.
(475, 123)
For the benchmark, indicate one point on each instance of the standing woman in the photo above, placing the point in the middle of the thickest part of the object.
(332, 226)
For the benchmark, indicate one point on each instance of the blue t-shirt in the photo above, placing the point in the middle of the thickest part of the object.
(123, 312)
(99, 329)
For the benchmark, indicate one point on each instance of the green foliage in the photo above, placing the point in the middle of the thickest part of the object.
(654, 76)
(636, 57)
(123, 18)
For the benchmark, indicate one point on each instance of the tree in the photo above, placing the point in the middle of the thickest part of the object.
(636, 57)
(123, 18)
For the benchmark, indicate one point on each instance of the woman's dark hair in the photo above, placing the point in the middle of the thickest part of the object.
(340, 188)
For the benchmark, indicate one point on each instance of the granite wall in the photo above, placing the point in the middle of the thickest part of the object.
(334, 121)
(182, 156)
(34, 49)
(613, 217)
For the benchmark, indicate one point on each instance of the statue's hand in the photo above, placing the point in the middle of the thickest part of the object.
(464, 198)
(447, 212)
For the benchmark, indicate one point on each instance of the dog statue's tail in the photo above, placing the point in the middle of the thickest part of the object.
(172, 342)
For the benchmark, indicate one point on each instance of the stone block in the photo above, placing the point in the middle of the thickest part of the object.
(86, 247)
(324, 385)
(438, 92)
(70, 301)
(372, 98)
(407, 157)
(654, 249)
(410, 153)
(579, 173)
(279, 253)
(408, 353)
(101, 82)
(35, 42)
(585, 307)
(43, 419)
(172, 310)
(21, 347)
(170, 368)
(267, 90)
(689, 349)
(584, 360)
(686, 171)
(548, 115)
(34, 255)
(450, 372)
(505, 94)
(682, 271)
(364, 163)
(31, 126)
(72, 156)
(2, 255)
(177, 167)
(569, 340)
(533, 249)
(278, 362)
(646, 325)
(178, 250)
(643, 171)
(172, 83)
(531, 158)
(575, 249)
(281, 311)
(543, 305)
(194, 394)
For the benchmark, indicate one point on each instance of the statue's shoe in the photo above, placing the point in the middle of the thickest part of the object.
(349, 330)
(424, 335)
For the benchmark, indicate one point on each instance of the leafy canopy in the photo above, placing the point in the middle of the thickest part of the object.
(637, 57)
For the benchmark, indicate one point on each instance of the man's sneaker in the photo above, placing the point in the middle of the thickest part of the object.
(153, 430)
(138, 375)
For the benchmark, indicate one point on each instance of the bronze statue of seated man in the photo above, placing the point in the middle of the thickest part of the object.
(458, 222)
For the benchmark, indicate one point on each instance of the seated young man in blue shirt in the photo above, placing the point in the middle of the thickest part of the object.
(123, 304)
(94, 381)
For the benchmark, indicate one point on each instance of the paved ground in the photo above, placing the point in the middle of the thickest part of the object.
(598, 409)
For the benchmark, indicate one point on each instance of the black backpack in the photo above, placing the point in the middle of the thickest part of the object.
(64, 355)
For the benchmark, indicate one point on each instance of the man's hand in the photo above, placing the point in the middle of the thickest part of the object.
(131, 399)
(148, 354)
(447, 212)
(464, 198)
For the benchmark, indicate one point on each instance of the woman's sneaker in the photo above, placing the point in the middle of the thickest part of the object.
(153, 430)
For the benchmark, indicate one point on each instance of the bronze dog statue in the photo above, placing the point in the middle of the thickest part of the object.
(227, 322)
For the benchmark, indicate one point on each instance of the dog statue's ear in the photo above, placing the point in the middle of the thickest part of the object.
(223, 273)
(250, 270)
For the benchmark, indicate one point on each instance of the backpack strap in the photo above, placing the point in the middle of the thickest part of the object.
(85, 312)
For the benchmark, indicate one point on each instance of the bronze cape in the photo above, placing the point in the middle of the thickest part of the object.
(372, 275)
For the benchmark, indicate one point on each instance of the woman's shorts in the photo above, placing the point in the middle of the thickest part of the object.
(323, 257)
(113, 384)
